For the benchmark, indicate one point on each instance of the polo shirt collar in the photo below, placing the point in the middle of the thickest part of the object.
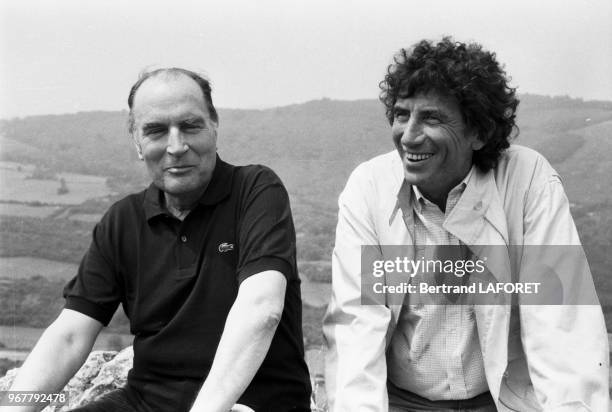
(219, 188)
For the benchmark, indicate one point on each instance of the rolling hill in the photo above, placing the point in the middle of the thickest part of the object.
(313, 147)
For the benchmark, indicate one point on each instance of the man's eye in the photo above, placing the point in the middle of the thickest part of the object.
(192, 128)
(401, 115)
(154, 131)
(431, 119)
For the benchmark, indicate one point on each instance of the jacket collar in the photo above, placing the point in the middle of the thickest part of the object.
(480, 201)
(402, 189)
(218, 188)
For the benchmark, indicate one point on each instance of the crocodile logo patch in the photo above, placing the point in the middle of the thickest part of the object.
(226, 247)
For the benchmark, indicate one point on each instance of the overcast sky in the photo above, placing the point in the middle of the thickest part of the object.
(65, 56)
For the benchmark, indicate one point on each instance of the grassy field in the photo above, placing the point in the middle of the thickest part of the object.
(15, 146)
(19, 337)
(27, 267)
(316, 294)
(595, 162)
(86, 217)
(19, 209)
(19, 186)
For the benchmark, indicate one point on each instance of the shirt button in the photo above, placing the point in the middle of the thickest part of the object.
(478, 206)
(183, 238)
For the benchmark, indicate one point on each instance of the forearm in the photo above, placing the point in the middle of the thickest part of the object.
(244, 344)
(53, 361)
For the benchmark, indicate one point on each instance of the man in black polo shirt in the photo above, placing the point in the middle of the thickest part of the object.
(203, 263)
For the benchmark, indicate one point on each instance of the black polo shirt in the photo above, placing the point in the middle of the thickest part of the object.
(178, 280)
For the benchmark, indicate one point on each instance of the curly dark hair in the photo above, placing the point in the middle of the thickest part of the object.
(466, 73)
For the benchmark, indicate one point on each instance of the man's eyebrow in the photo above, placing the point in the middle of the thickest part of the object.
(429, 111)
(153, 125)
(194, 120)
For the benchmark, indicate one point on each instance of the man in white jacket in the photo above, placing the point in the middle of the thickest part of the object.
(457, 183)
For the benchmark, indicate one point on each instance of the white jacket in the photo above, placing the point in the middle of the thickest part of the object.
(536, 357)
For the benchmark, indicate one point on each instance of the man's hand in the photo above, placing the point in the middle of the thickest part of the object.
(246, 338)
(58, 354)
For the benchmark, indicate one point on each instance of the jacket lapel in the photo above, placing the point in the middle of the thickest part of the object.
(479, 221)
(401, 232)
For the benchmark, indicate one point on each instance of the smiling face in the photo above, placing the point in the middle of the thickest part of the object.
(433, 142)
(175, 136)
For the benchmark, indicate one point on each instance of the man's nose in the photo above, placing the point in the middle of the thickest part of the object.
(176, 142)
(412, 134)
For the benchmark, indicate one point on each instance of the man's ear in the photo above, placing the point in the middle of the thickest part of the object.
(477, 144)
(138, 147)
(214, 131)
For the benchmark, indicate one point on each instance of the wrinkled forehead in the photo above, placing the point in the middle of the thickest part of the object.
(164, 87)
(427, 97)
